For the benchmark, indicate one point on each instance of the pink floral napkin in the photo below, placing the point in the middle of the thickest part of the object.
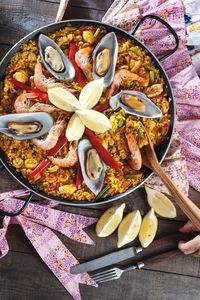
(37, 221)
(183, 160)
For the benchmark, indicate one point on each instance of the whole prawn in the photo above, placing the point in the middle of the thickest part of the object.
(50, 141)
(83, 60)
(43, 84)
(70, 160)
(24, 104)
(124, 75)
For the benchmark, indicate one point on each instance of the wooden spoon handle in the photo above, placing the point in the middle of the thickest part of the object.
(61, 10)
(187, 206)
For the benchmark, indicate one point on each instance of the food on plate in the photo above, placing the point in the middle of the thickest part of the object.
(162, 205)
(110, 220)
(99, 90)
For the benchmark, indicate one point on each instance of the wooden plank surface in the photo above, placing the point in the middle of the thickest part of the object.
(23, 275)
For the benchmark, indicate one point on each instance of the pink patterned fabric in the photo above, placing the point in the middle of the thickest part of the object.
(37, 221)
(183, 160)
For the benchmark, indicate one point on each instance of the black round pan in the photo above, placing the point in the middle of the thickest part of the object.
(161, 150)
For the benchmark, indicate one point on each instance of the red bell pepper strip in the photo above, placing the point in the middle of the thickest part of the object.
(30, 89)
(102, 107)
(79, 75)
(79, 176)
(103, 153)
(43, 164)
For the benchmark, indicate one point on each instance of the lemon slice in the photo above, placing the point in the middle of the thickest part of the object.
(148, 228)
(75, 128)
(160, 203)
(110, 220)
(91, 93)
(94, 120)
(63, 99)
(129, 228)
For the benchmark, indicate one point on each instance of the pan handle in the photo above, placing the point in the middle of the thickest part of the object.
(164, 23)
(14, 214)
(1, 164)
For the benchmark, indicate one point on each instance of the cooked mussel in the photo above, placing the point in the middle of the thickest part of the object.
(103, 61)
(94, 164)
(55, 60)
(135, 103)
(105, 58)
(92, 167)
(26, 125)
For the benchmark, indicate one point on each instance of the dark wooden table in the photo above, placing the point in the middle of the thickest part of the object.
(23, 275)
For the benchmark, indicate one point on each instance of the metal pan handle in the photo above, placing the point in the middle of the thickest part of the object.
(164, 23)
(14, 214)
(1, 164)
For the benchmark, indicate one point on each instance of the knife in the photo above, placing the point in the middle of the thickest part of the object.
(106, 260)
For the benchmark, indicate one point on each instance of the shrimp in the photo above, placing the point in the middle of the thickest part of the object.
(70, 160)
(54, 133)
(23, 104)
(83, 60)
(43, 107)
(43, 84)
(124, 75)
(136, 157)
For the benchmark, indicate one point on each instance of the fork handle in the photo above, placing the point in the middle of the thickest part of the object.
(187, 206)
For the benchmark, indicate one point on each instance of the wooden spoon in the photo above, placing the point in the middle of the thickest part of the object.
(149, 159)
(61, 10)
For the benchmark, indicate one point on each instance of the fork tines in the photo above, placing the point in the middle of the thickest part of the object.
(114, 273)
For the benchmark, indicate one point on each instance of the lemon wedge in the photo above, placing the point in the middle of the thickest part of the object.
(160, 203)
(94, 120)
(75, 128)
(63, 99)
(148, 228)
(110, 220)
(91, 93)
(129, 228)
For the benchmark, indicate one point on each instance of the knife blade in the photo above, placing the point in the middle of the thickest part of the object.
(106, 260)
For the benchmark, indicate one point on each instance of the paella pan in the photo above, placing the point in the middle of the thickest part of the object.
(77, 97)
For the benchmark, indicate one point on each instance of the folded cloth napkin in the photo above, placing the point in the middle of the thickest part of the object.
(37, 221)
(192, 18)
(183, 160)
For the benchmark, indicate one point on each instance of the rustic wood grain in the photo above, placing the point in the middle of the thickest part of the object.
(26, 277)
(23, 275)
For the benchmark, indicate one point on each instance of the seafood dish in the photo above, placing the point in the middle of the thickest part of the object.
(74, 107)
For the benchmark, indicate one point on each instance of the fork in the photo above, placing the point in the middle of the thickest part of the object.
(114, 273)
